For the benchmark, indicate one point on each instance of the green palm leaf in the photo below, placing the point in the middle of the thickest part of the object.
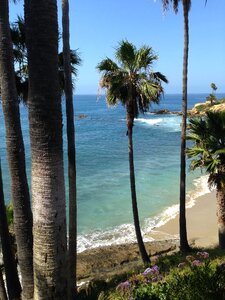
(207, 134)
(131, 81)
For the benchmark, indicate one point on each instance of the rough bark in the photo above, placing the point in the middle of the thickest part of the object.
(16, 156)
(12, 279)
(72, 250)
(3, 295)
(45, 120)
(220, 196)
(144, 255)
(182, 222)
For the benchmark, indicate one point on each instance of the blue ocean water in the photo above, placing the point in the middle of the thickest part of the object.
(104, 204)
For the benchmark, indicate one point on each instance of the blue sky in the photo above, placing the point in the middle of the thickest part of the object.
(98, 25)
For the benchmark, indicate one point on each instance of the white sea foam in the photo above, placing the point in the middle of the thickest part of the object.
(126, 234)
(149, 121)
(168, 123)
(122, 234)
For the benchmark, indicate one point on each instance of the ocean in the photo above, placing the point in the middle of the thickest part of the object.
(103, 188)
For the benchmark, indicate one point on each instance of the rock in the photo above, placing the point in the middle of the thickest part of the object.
(163, 112)
(105, 262)
(82, 116)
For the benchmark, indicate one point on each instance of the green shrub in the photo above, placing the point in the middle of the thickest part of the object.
(196, 278)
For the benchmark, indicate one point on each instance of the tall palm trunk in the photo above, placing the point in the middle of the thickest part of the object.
(183, 229)
(144, 255)
(45, 120)
(3, 295)
(12, 279)
(16, 155)
(72, 261)
(220, 195)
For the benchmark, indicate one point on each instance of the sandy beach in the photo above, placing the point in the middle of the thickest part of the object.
(201, 223)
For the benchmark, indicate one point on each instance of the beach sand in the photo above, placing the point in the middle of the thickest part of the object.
(201, 223)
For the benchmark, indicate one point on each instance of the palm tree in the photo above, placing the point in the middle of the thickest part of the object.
(20, 58)
(45, 122)
(12, 279)
(16, 155)
(184, 246)
(133, 83)
(208, 135)
(72, 245)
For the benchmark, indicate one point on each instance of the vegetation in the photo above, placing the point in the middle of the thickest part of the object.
(133, 83)
(17, 31)
(200, 275)
(212, 97)
(200, 109)
(32, 71)
(208, 152)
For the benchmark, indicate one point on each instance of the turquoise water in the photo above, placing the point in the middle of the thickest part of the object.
(104, 205)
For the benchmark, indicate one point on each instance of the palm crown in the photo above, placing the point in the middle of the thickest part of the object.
(131, 80)
(175, 4)
(208, 135)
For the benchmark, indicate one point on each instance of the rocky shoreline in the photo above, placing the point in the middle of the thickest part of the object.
(103, 263)
(199, 109)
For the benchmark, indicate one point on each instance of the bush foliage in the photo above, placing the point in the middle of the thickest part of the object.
(197, 277)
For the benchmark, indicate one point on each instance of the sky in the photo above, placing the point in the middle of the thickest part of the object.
(97, 26)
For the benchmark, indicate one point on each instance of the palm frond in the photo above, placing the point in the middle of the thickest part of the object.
(131, 81)
(159, 77)
(107, 65)
(195, 151)
(125, 54)
(207, 134)
(195, 164)
(220, 151)
(144, 58)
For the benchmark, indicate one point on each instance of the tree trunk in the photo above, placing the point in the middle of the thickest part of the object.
(45, 121)
(72, 251)
(12, 279)
(220, 196)
(16, 156)
(144, 255)
(183, 228)
(3, 295)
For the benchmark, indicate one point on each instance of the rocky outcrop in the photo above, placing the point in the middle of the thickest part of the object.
(105, 262)
(200, 109)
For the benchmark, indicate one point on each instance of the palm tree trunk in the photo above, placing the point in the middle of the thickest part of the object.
(220, 196)
(12, 279)
(144, 255)
(16, 156)
(72, 251)
(45, 121)
(3, 295)
(183, 229)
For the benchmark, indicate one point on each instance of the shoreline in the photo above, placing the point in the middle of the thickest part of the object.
(105, 262)
(201, 223)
